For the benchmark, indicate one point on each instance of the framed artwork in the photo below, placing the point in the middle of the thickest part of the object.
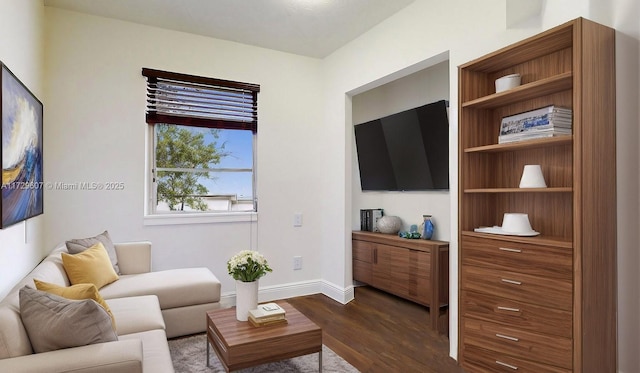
(22, 180)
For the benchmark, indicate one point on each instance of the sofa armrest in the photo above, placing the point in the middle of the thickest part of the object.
(134, 257)
(110, 357)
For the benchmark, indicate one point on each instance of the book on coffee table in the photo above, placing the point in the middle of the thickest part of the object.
(259, 323)
(267, 310)
(267, 314)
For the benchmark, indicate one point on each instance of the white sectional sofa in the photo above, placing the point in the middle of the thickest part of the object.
(148, 307)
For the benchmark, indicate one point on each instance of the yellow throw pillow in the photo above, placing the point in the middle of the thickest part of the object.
(76, 292)
(91, 266)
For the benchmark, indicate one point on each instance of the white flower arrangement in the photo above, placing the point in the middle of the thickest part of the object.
(248, 266)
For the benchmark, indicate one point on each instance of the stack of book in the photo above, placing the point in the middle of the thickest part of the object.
(267, 314)
(369, 219)
(548, 121)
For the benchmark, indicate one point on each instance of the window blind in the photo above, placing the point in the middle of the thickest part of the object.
(183, 99)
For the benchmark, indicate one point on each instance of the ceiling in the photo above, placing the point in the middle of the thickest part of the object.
(313, 28)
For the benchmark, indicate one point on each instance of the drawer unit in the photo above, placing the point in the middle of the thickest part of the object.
(511, 341)
(479, 360)
(526, 316)
(554, 262)
(417, 270)
(542, 291)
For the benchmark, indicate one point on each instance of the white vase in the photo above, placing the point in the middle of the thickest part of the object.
(246, 298)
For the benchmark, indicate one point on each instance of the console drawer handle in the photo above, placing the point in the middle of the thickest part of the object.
(510, 250)
(507, 337)
(508, 309)
(506, 365)
(513, 282)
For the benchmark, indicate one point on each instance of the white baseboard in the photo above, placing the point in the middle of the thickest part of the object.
(295, 289)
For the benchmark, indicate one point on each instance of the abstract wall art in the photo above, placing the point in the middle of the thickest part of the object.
(22, 179)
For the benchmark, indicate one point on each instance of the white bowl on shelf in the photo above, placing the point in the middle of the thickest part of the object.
(516, 223)
(507, 82)
(513, 224)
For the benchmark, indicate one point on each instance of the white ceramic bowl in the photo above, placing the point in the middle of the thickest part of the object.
(516, 223)
(507, 82)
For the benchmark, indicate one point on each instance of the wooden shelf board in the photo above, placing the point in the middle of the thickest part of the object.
(537, 240)
(524, 92)
(521, 190)
(528, 144)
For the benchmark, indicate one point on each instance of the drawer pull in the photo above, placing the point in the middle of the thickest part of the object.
(507, 337)
(513, 282)
(510, 250)
(506, 365)
(508, 309)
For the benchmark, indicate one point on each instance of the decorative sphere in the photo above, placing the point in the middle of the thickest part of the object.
(389, 224)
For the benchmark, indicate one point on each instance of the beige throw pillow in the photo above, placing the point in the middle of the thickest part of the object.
(91, 266)
(53, 322)
(78, 245)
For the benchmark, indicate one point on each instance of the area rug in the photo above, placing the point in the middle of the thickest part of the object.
(189, 355)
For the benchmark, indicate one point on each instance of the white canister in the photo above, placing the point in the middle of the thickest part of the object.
(507, 82)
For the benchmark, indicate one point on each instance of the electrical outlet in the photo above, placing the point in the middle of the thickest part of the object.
(297, 263)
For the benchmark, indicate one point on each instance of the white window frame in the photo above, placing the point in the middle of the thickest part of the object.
(153, 217)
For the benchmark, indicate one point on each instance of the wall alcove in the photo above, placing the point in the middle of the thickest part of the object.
(401, 91)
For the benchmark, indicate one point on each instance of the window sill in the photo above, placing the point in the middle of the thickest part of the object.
(199, 218)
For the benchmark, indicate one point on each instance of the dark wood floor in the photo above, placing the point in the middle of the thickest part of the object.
(378, 332)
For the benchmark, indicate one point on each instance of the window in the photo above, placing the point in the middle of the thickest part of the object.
(203, 134)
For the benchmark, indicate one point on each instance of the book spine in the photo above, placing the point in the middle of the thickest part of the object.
(538, 112)
(528, 136)
(533, 123)
(260, 324)
(267, 318)
(377, 214)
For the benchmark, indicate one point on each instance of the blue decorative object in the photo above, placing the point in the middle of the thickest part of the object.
(427, 227)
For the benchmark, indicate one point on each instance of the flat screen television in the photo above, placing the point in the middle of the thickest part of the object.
(407, 151)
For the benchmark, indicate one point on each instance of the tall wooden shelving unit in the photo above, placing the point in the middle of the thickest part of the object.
(545, 303)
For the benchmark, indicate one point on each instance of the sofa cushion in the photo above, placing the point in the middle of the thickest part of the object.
(174, 287)
(78, 245)
(156, 356)
(14, 340)
(53, 322)
(90, 266)
(76, 292)
(137, 314)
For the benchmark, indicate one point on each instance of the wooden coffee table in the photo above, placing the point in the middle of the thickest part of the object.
(240, 345)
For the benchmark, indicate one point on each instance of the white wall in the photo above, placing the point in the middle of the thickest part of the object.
(96, 110)
(420, 88)
(468, 30)
(21, 50)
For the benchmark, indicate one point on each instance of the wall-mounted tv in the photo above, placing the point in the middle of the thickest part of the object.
(407, 151)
